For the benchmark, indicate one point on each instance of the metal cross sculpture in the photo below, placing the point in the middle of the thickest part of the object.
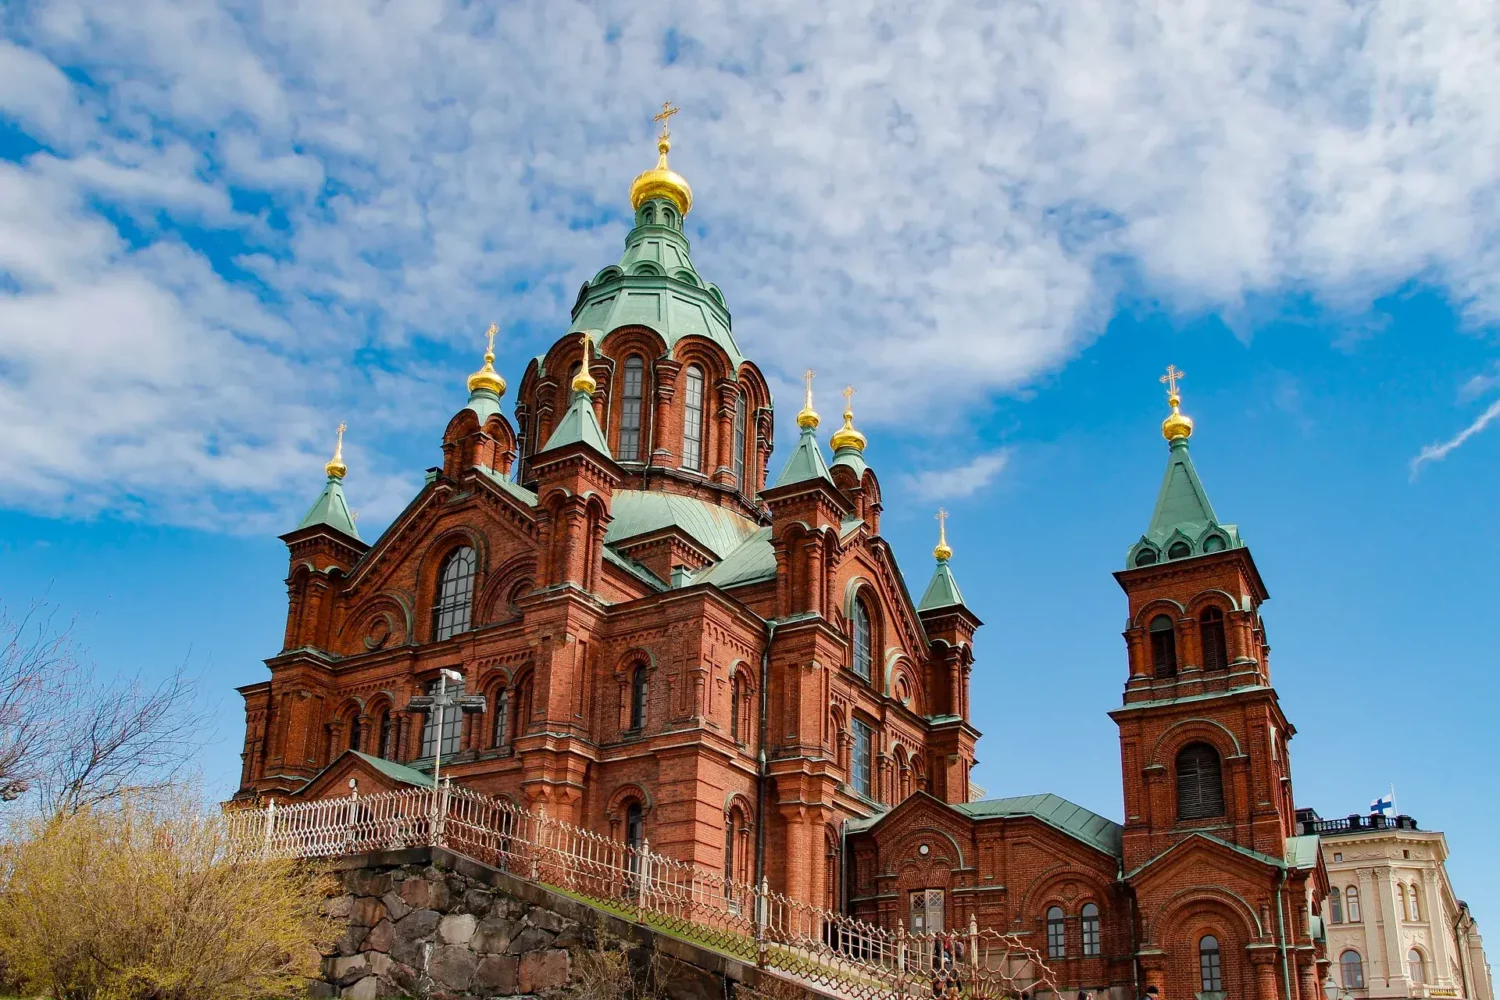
(490, 336)
(848, 398)
(664, 116)
(440, 702)
(1171, 378)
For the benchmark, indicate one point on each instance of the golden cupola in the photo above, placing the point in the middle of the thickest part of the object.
(1178, 424)
(335, 468)
(661, 181)
(486, 378)
(846, 436)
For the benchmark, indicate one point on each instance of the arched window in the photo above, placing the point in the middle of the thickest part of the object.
(739, 442)
(1210, 968)
(635, 827)
(734, 708)
(1200, 785)
(1179, 550)
(1163, 646)
(1057, 936)
(692, 419)
(1416, 969)
(387, 748)
(502, 717)
(521, 709)
(1335, 905)
(861, 773)
(1351, 904)
(1090, 915)
(632, 393)
(860, 628)
(1400, 901)
(1214, 543)
(1412, 910)
(455, 593)
(638, 698)
(1146, 556)
(1352, 970)
(453, 721)
(1215, 649)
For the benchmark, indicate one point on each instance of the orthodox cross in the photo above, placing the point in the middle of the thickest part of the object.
(807, 377)
(848, 398)
(1171, 378)
(339, 448)
(667, 111)
(942, 520)
(490, 336)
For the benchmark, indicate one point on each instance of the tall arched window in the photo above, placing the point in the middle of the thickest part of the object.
(1416, 969)
(1215, 649)
(632, 393)
(455, 594)
(739, 442)
(734, 708)
(861, 770)
(635, 827)
(1057, 935)
(521, 709)
(638, 697)
(502, 717)
(1352, 970)
(692, 419)
(1335, 905)
(1200, 785)
(1210, 967)
(1090, 914)
(1400, 902)
(1163, 646)
(356, 732)
(387, 748)
(453, 721)
(1412, 909)
(860, 629)
(1351, 904)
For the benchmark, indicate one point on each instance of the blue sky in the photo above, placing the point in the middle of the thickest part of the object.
(225, 228)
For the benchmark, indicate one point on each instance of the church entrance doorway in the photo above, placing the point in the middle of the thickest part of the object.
(927, 911)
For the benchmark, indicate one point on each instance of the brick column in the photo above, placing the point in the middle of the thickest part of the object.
(724, 431)
(798, 852)
(1263, 964)
(666, 387)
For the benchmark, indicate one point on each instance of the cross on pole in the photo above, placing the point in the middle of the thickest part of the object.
(848, 398)
(490, 336)
(1171, 378)
(942, 520)
(807, 377)
(664, 116)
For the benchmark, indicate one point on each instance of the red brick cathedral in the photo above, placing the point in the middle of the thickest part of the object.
(658, 640)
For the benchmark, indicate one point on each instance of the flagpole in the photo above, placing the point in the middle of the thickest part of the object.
(1394, 810)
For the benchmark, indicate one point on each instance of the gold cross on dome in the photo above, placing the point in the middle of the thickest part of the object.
(807, 378)
(1171, 378)
(942, 520)
(664, 116)
(341, 429)
(490, 336)
(848, 397)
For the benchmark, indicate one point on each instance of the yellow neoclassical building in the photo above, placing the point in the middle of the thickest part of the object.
(1395, 927)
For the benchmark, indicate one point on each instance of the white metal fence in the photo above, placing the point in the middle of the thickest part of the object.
(843, 955)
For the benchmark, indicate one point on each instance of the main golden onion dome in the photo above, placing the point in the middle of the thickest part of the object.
(336, 469)
(846, 436)
(1178, 424)
(661, 181)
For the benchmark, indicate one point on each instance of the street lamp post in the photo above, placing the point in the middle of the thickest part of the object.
(438, 704)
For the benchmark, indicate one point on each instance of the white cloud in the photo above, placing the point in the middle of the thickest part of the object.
(897, 197)
(1438, 452)
(955, 483)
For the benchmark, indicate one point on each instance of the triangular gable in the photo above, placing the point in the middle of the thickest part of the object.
(1195, 843)
(374, 774)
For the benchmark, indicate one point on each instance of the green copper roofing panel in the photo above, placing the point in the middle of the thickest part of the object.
(853, 458)
(1074, 820)
(1302, 852)
(510, 486)
(484, 403)
(1264, 859)
(752, 562)
(331, 510)
(1183, 512)
(579, 425)
(634, 568)
(805, 462)
(942, 591)
(396, 772)
(640, 512)
(849, 526)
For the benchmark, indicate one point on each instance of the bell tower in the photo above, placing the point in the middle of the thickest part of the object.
(1203, 741)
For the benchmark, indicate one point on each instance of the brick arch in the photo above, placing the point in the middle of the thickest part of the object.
(1044, 892)
(713, 359)
(618, 345)
(1159, 606)
(1236, 914)
(614, 807)
(861, 587)
(1195, 730)
(1213, 597)
(904, 849)
(355, 636)
(430, 561)
(496, 591)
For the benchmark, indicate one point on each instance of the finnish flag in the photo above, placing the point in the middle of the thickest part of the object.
(1383, 805)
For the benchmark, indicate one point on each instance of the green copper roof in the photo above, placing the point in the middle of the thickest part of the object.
(1183, 523)
(805, 462)
(396, 772)
(853, 458)
(942, 591)
(579, 425)
(1302, 852)
(331, 510)
(655, 285)
(510, 486)
(1074, 820)
(485, 403)
(640, 512)
(752, 562)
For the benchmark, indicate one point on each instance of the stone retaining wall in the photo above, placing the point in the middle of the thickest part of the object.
(431, 924)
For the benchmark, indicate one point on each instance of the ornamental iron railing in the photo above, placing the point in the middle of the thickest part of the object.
(838, 953)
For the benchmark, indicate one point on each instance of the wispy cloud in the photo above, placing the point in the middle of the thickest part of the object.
(1438, 452)
(232, 200)
(955, 483)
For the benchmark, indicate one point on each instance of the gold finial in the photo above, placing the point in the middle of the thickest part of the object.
(584, 380)
(486, 377)
(943, 552)
(807, 418)
(1178, 424)
(661, 181)
(336, 467)
(846, 436)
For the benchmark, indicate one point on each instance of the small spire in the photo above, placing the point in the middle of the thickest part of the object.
(661, 181)
(486, 378)
(1178, 424)
(336, 468)
(808, 418)
(584, 380)
(943, 552)
(846, 436)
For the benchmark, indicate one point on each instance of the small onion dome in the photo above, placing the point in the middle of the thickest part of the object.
(807, 417)
(584, 380)
(661, 181)
(486, 377)
(1178, 424)
(336, 468)
(942, 552)
(846, 436)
